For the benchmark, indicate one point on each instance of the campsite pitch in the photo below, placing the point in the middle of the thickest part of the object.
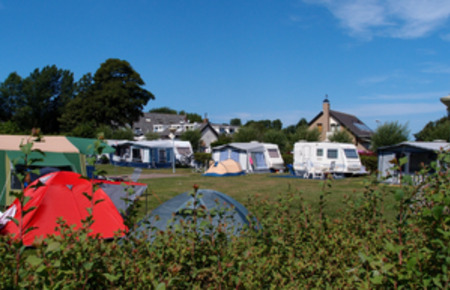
(164, 185)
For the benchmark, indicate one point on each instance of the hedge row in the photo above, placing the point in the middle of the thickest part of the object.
(296, 247)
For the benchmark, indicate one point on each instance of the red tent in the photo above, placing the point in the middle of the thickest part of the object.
(62, 196)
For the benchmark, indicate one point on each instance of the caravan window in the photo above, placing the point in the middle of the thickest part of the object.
(332, 153)
(351, 153)
(319, 152)
(184, 150)
(273, 153)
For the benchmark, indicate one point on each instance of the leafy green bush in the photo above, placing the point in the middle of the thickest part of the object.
(370, 162)
(288, 158)
(202, 158)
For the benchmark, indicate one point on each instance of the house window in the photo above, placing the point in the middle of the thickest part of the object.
(332, 153)
(319, 126)
(156, 128)
(319, 152)
(335, 127)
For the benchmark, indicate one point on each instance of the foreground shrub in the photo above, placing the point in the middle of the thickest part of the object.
(296, 248)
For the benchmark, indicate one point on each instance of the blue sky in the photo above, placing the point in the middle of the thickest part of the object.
(381, 60)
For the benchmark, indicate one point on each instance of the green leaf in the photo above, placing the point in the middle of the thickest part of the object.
(403, 161)
(14, 220)
(161, 286)
(88, 265)
(411, 263)
(377, 279)
(98, 201)
(87, 196)
(29, 229)
(437, 282)
(34, 261)
(111, 278)
(399, 194)
(52, 246)
(28, 210)
(26, 148)
(437, 211)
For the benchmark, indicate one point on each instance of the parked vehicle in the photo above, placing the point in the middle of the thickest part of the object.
(315, 159)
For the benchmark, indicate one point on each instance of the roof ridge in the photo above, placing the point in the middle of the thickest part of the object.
(342, 113)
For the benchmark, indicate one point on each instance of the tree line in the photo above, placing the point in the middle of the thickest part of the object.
(113, 97)
(50, 99)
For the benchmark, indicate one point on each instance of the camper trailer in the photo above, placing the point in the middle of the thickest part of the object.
(273, 157)
(314, 159)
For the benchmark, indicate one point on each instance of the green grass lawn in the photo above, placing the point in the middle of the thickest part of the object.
(244, 188)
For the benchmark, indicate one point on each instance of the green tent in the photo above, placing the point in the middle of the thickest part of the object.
(58, 151)
(87, 145)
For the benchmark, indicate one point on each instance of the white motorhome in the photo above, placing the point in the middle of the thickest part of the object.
(314, 159)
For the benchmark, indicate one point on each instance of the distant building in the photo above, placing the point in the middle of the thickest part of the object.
(328, 122)
(162, 124)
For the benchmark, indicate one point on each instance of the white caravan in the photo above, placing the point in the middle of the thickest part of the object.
(273, 156)
(314, 159)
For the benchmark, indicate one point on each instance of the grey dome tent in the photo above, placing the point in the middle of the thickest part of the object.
(223, 210)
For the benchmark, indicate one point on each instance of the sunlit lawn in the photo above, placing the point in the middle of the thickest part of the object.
(246, 188)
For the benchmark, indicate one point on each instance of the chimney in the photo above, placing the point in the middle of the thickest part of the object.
(206, 120)
(326, 117)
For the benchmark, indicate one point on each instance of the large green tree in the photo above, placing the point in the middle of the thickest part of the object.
(389, 133)
(276, 137)
(341, 136)
(192, 117)
(163, 110)
(42, 98)
(304, 133)
(247, 134)
(437, 130)
(10, 90)
(236, 122)
(194, 137)
(114, 96)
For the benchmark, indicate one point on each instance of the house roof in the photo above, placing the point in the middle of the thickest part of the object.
(244, 146)
(424, 146)
(350, 122)
(150, 119)
(207, 125)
